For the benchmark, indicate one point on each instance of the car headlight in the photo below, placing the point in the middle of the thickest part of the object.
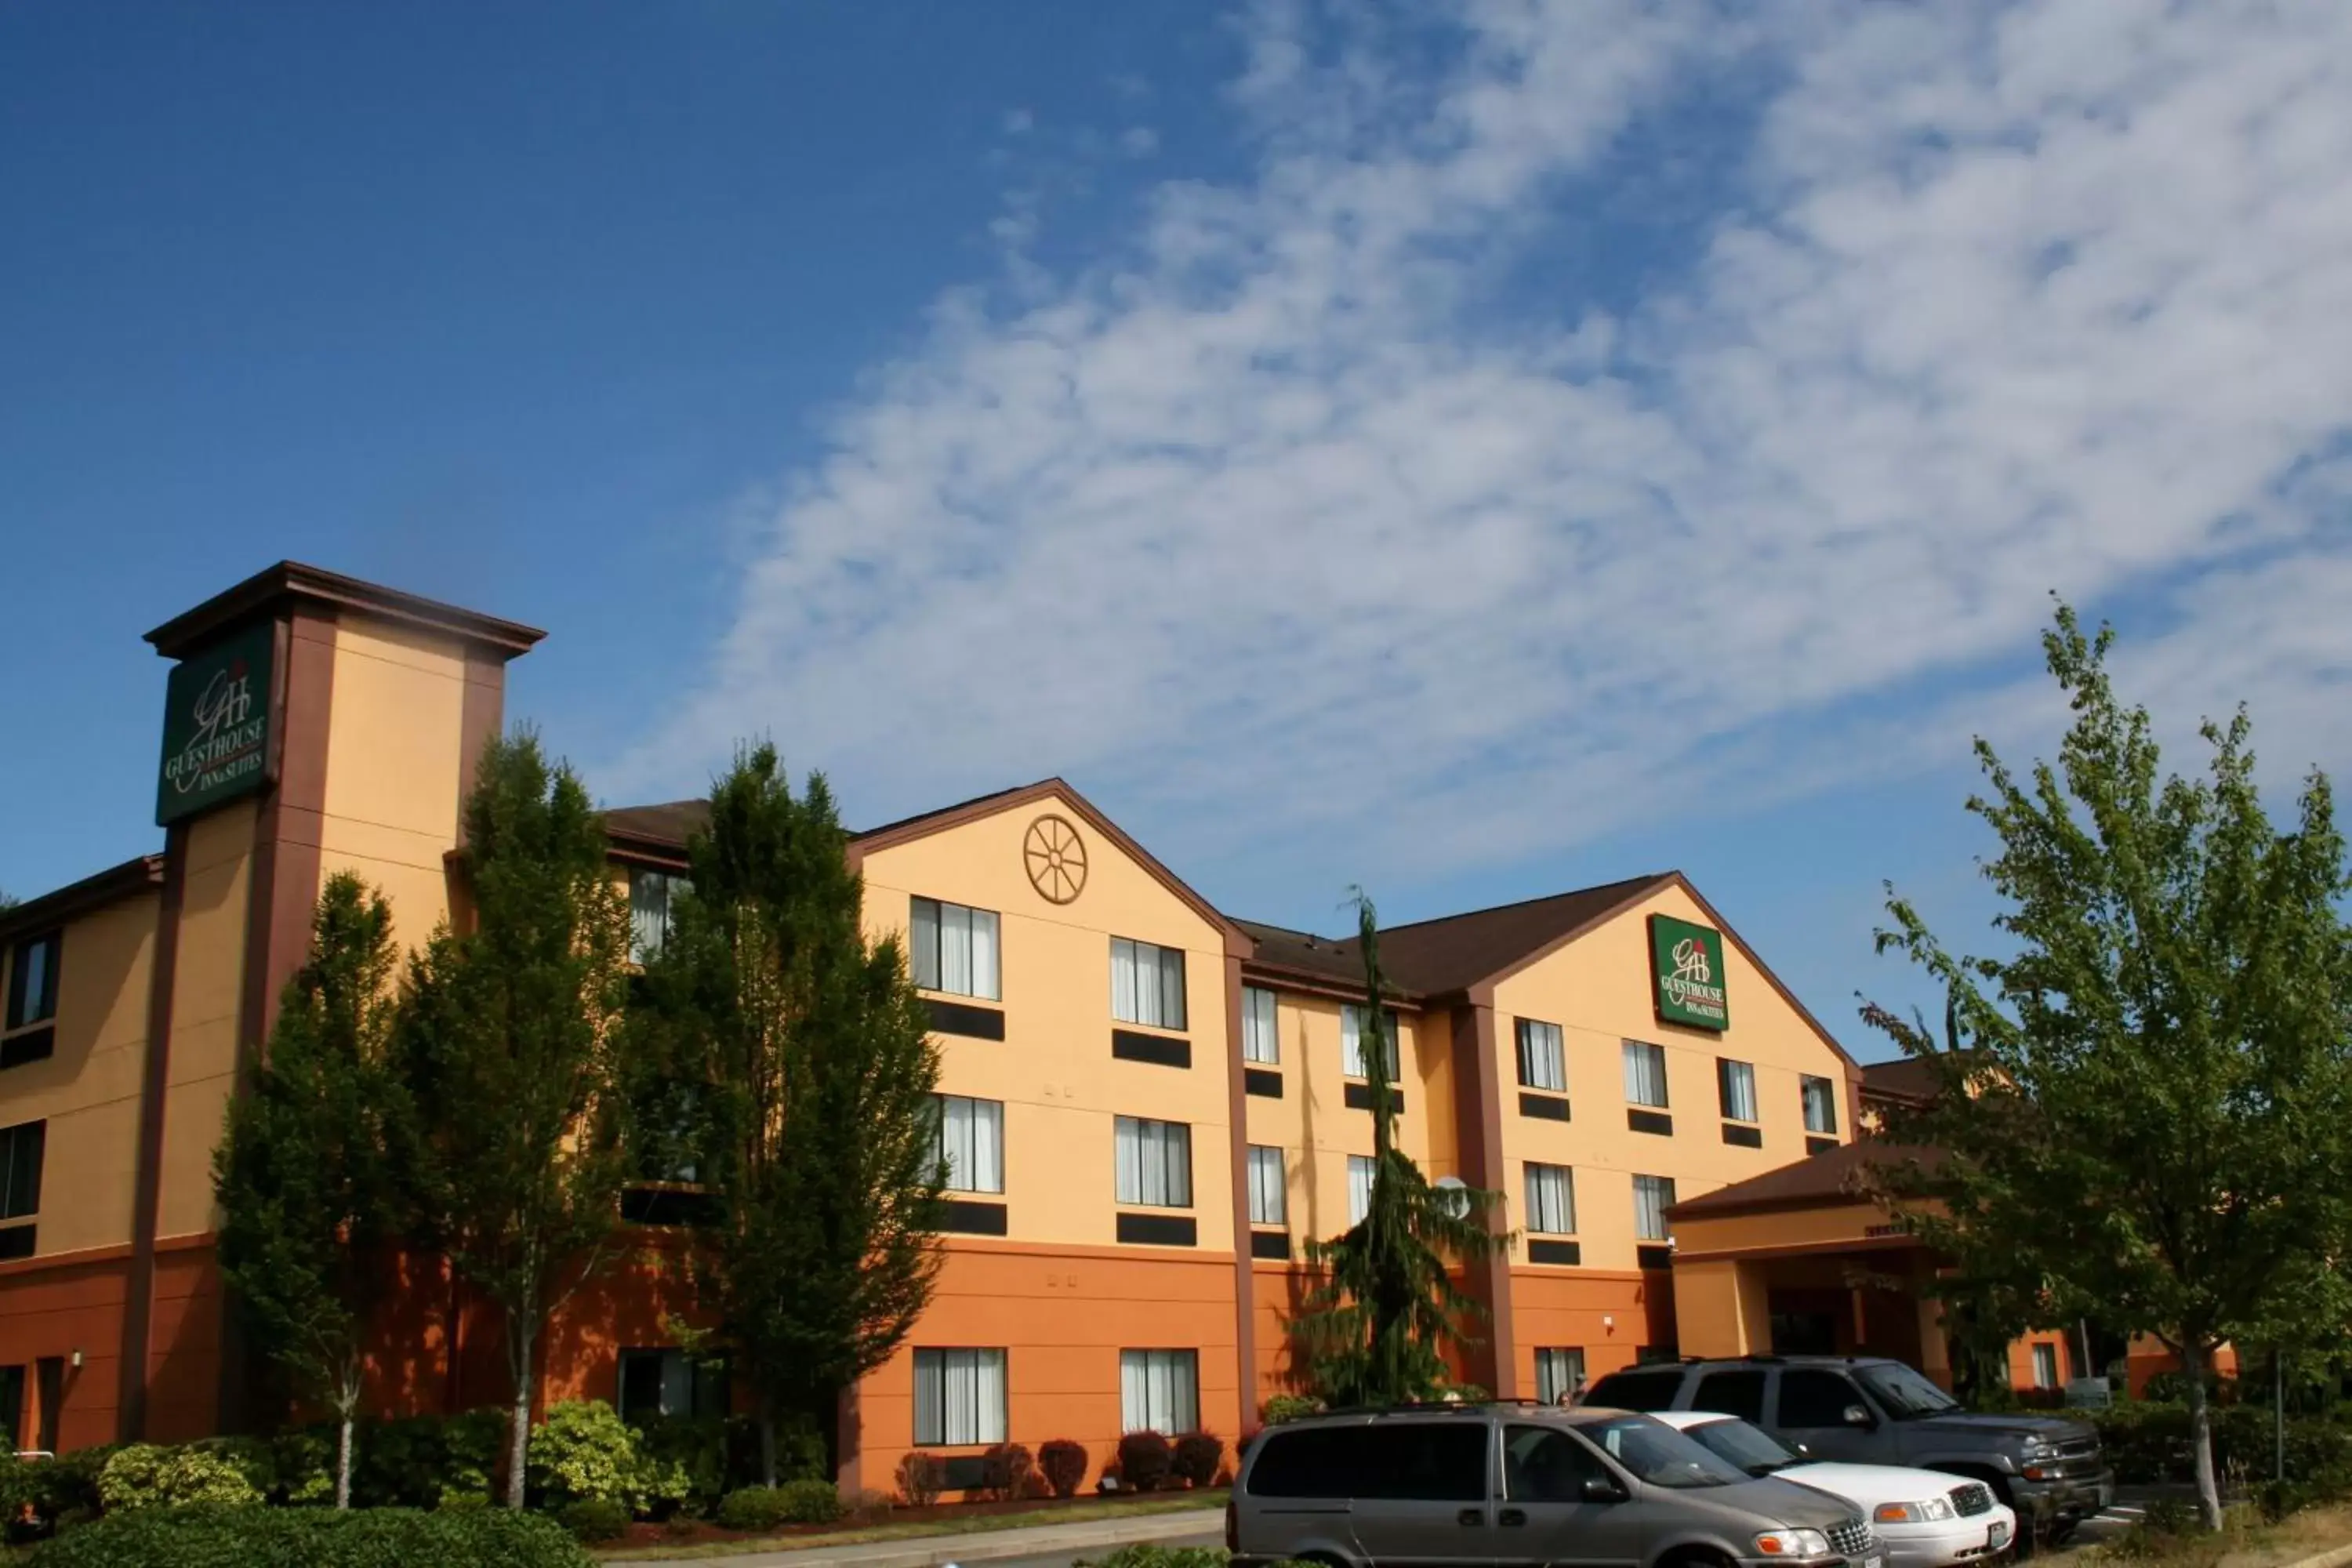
(2039, 1448)
(1792, 1543)
(1929, 1511)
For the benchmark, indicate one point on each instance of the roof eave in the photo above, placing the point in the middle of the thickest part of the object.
(294, 582)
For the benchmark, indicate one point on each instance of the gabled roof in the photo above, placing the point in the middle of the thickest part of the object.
(1825, 1180)
(1912, 1080)
(143, 874)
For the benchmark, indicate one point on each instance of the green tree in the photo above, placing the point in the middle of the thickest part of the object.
(798, 1056)
(2152, 1126)
(507, 1045)
(1375, 1324)
(310, 1204)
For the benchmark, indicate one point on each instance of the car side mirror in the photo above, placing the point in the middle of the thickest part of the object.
(1856, 1416)
(1600, 1489)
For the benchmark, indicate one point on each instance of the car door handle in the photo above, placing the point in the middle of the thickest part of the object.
(1475, 1518)
(1512, 1516)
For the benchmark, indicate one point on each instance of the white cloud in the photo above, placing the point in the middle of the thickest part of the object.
(1292, 524)
(1139, 141)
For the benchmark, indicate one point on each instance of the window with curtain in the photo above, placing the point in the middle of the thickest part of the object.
(2045, 1366)
(1551, 1200)
(959, 1397)
(1734, 1084)
(1155, 1163)
(1543, 1061)
(651, 894)
(1645, 1075)
(1560, 1373)
(1258, 1042)
(1147, 983)
(955, 949)
(972, 1142)
(1360, 1187)
(1266, 1184)
(1159, 1390)
(1821, 1105)
(1653, 1196)
(1352, 1042)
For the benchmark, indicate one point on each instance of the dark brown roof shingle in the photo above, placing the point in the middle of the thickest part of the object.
(1831, 1177)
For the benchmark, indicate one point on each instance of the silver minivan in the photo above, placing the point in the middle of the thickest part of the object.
(1520, 1485)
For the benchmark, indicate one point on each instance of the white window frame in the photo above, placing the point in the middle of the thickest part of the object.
(1159, 1390)
(971, 1142)
(959, 1397)
(1351, 1044)
(1560, 1373)
(1645, 1073)
(1147, 983)
(1361, 1173)
(1154, 1160)
(1653, 1196)
(1267, 1204)
(954, 949)
(1550, 1198)
(1543, 1056)
(1261, 1041)
(2045, 1364)
(1822, 1093)
(652, 892)
(1738, 1104)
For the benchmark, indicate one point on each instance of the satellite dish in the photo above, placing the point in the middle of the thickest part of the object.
(1456, 1197)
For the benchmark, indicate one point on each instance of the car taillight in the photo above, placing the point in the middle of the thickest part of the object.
(1233, 1527)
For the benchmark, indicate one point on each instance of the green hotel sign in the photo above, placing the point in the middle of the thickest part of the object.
(217, 717)
(1686, 974)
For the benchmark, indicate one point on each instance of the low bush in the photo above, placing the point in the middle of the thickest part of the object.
(583, 1451)
(594, 1518)
(145, 1474)
(921, 1478)
(1004, 1471)
(1146, 1555)
(765, 1508)
(809, 1501)
(64, 1490)
(1288, 1407)
(211, 1537)
(865, 1505)
(423, 1461)
(1145, 1460)
(2147, 1444)
(1063, 1464)
(1198, 1458)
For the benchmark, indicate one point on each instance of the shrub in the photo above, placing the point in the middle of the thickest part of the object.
(142, 1475)
(753, 1509)
(1065, 1465)
(1144, 1460)
(64, 1490)
(867, 1505)
(811, 1502)
(1288, 1407)
(1146, 1555)
(693, 1447)
(583, 1451)
(594, 1518)
(1198, 1458)
(425, 1461)
(921, 1478)
(1004, 1471)
(315, 1538)
(2147, 1444)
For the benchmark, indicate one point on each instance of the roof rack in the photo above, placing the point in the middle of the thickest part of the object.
(1416, 1406)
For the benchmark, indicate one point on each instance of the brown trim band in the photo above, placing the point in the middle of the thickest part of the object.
(131, 1412)
(143, 875)
(1903, 1243)
(481, 716)
(291, 585)
(1478, 1127)
(1244, 1266)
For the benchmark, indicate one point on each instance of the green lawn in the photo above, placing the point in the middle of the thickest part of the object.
(1076, 1511)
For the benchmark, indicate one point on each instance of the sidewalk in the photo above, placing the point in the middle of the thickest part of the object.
(933, 1551)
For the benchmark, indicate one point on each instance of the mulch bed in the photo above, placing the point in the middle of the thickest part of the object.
(1072, 1510)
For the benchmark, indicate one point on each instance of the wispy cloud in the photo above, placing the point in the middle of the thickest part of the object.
(1305, 517)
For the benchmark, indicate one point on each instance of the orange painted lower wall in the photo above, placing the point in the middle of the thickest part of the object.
(48, 1310)
(1611, 1317)
(1062, 1316)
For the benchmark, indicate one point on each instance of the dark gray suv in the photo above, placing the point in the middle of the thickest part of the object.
(1522, 1486)
(1868, 1410)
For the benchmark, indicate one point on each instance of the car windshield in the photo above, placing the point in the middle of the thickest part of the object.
(1754, 1450)
(1659, 1454)
(1907, 1395)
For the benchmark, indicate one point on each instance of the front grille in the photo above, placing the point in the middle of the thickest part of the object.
(2079, 1448)
(1850, 1539)
(1973, 1499)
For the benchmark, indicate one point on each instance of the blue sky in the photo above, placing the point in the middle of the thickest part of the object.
(1469, 450)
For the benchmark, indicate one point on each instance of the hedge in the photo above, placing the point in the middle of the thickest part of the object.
(313, 1538)
(2147, 1444)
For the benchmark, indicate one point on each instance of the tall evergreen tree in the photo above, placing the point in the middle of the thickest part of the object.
(507, 1045)
(804, 1056)
(2152, 1126)
(310, 1204)
(1376, 1323)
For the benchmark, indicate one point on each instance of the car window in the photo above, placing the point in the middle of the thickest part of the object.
(1907, 1395)
(1424, 1461)
(1660, 1455)
(1314, 1462)
(1543, 1464)
(1754, 1450)
(1637, 1390)
(1814, 1399)
(1739, 1393)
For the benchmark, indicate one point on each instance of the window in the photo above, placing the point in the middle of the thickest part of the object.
(1266, 1206)
(20, 1169)
(959, 1397)
(27, 1032)
(972, 1142)
(1543, 1464)
(1653, 1196)
(1351, 1045)
(12, 1405)
(1258, 1041)
(1735, 1083)
(1645, 1075)
(1559, 1374)
(1552, 1199)
(1147, 983)
(1396, 1461)
(1543, 1063)
(1739, 1394)
(1813, 1399)
(669, 1382)
(1159, 1390)
(1360, 1187)
(652, 897)
(2045, 1366)
(955, 950)
(1821, 1106)
(1155, 1163)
